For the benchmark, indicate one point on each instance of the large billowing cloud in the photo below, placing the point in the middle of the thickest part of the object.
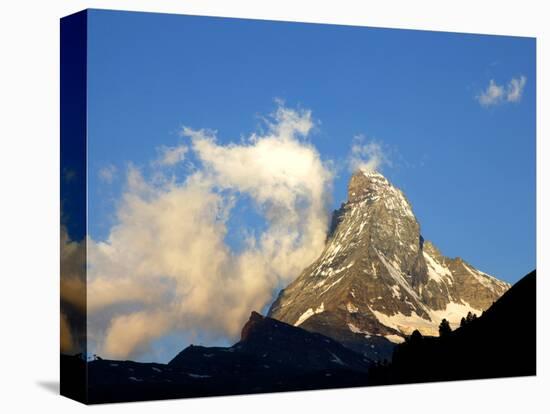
(165, 265)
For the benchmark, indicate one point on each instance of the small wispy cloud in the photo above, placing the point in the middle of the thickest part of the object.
(170, 156)
(492, 95)
(496, 94)
(107, 173)
(515, 89)
(368, 156)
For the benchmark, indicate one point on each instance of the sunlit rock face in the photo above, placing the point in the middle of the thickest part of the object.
(377, 280)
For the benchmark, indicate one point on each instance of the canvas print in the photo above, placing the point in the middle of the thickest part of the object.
(256, 206)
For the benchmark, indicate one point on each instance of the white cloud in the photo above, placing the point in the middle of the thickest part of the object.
(496, 94)
(515, 89)
(165, 265)
(107, 173)
(367, 156)
(170, 156)
(492, 95)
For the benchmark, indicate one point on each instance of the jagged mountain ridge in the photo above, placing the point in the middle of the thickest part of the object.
(271, 356)
(377, 279)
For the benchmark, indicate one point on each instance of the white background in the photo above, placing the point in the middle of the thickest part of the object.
(29, 206)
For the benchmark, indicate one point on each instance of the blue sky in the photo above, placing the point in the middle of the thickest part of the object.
(468, 169)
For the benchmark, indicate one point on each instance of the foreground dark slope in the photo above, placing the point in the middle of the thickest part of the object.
(271, 356)
(500, 343)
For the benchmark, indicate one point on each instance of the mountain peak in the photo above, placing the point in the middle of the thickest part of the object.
(254, 320)
(365, 183)
(369, 173)
(377, 279)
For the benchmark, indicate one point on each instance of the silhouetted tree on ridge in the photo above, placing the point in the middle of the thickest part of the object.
(444, 328)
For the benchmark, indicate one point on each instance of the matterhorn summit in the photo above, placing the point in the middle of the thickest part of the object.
(378, 280)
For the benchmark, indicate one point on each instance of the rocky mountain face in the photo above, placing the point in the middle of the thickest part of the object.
(378, 280)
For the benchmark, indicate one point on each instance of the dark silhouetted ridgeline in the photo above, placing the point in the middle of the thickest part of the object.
(271, 356)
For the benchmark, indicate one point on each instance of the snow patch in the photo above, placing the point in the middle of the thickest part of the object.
(436, 271)
(332, 284)
(356, 330)
(407, 323)
(309, 313)
(352, 308)
(395, 292)
(396, 339)
(198, 375)
(453, 312)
